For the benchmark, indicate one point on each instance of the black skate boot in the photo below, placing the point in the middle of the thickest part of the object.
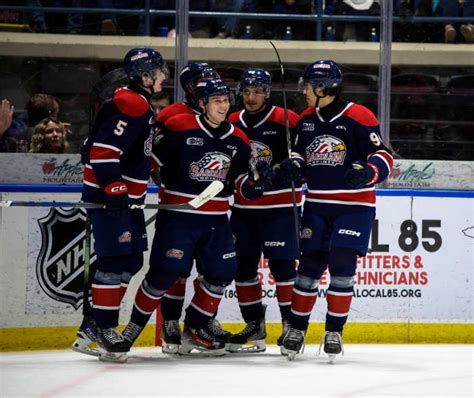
(285, 326)
(216, 328)
(131, 333)
(112, 345)
(86, 338)
(252, 338)
(202, 340)
(171, 336)
(332, 345)
(294, 342)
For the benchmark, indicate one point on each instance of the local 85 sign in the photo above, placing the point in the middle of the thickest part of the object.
(418, 267)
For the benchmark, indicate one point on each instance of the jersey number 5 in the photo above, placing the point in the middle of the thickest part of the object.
(119, 128)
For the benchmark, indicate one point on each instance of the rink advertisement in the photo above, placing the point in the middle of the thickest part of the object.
(67, 169)
(418, 269)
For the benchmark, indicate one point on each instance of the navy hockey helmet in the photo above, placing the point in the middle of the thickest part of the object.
(211, 88)
(194, 73)
(324, 74)
(255, 77)
(144, 61)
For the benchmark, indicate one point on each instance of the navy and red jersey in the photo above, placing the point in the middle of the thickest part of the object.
(115, 149)
(267, 134)
(191, 154)
(328, 141)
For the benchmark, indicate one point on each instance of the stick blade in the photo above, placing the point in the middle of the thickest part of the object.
(212, 190)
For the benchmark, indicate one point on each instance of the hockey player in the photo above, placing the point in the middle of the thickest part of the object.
(116, 173)
(265, 225)
(195, 150)
(343, 157)
(173, 300)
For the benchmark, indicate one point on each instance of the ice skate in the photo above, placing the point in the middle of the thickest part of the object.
(332, 345)
(85, 342)
(293, 342)
(285, 327)
(112, 345)
(216, 328)
(201, 340)
(131, 333)
(251, 339)
(171, 336)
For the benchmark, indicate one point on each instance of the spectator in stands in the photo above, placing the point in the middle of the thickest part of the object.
(228, 27)
(359, 31)
(39, 21)
(299, 29)
(49, 136)
(157, 21)
(159, 101)
(6, 117)
(460, 8)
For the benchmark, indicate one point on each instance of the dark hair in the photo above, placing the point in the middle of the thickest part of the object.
(41, 106)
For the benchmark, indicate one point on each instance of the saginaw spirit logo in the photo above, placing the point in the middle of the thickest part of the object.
(260, 151)
(60, 264)
(212, 166)
(327, 150)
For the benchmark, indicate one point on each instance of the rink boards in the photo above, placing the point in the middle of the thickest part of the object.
(415, 285)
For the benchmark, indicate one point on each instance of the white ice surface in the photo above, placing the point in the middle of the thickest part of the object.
(364, 371)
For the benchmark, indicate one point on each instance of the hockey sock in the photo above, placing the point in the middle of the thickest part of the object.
(249, 295)
(106, 299)
(284, 273)
(173, 300)
(284, 291)
(303, 299)
(339, 298)
(204, 304)
(146, 301)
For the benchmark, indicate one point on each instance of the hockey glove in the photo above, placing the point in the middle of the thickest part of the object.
(116, 201)
(361, 174)
(289, 171)
(261, 176)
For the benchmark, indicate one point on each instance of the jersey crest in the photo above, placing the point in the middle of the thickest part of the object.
(260, 152)
(326, 150)
(212, 166)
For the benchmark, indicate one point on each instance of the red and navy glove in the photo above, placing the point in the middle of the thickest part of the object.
(361, 174)
(116, 201)
(261, 176)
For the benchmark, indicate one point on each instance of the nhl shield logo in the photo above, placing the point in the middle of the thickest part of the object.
(60, 264)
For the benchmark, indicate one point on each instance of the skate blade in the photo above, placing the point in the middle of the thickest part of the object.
(85, 350)
(291, 355)
(283, 351)
(249, 348)
(116, 357)
(170, 349)
(187, 349)
(331, 358)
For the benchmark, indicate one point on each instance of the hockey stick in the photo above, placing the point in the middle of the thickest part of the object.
(211, 191)
(86, 306)
(288, 146)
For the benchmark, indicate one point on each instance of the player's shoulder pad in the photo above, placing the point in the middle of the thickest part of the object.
(310, 110)
(177, 108)
(234, 117)
(278, 116)
(240, 134)
(181, 122)
(361, 115)
(130, 103)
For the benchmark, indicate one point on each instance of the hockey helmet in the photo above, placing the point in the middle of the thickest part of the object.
(144, 62)
(255, 77)
(324, 74)
(211, 88)
(194, 73)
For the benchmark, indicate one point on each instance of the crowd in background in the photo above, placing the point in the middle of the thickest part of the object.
(107, 23)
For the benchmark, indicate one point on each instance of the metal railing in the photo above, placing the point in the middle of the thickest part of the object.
(319, 18)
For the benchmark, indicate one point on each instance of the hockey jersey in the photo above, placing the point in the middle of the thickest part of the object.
(329, 141)
(115, 149)
(191, 155)
(267, 134)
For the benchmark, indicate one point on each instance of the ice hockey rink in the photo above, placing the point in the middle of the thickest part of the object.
(364, 371)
